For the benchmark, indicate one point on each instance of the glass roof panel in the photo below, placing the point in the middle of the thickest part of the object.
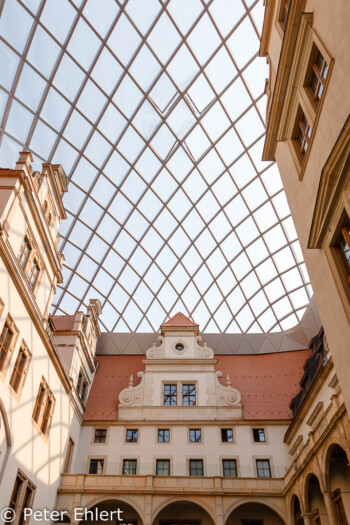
(156, 112)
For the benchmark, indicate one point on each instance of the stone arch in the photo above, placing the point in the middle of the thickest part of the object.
(295, 510)
(337, 473)
(314, 498)
(7, 435)
(267, 503)
(111, 501)
(327, 454)
(198, 502)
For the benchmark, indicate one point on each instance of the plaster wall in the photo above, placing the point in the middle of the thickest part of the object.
(328, 25)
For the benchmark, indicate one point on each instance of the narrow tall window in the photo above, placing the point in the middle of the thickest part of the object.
(24, 252)
(229, 468)
(343, 248)
(82, 386)
(303, 133)
(46, 416)
(22, 497)
(33, 274)
(163, 467)
(188, 395)
(5, 343)
(284, 13)
(39, 403)
(170, 395)
(263, 468)
(69, 455)
(19, 369)
(129, 467)
(318, 74)
(16, 492)
(196, 467)
(27, 501)
(96, 466)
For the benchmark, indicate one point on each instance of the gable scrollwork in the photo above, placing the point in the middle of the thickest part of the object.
(132, 395)
(226, 395)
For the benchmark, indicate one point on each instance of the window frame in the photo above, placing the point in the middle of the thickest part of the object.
(258, 469)
(224, 429)
(163, 430)
(96, 429)
(44, 408)
(82, 386)
(223, 460)
(132, 439)
(263, 429)
(6, 353)
(158, 460)
(22, 373)
(197, 460)
(195, 430)
(20, 501)
(69, 456)
(101, 470)
(170, 395)
(188, 395)
(135, 462)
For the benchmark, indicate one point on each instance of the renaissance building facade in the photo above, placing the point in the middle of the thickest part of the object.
(181, 427)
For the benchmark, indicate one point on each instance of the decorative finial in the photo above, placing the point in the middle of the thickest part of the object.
(228, 380)
(131, 381)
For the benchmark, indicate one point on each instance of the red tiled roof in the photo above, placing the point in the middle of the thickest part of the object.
(63, 323)
(179, 319)
(267, 382)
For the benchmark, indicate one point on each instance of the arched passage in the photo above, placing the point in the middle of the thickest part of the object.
(338, 481)
(297, 518)
(183, 512)
(5, 440)
(253, 513)
(113, 508)
(315, 504)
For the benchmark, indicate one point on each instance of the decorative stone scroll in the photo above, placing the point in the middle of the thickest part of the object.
(204, 352)
(226, 395)
(155, 352)
(133, 394)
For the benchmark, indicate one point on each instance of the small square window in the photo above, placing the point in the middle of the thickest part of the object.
(259, 435)
(229, 468)
(188, 395)
(195, 435)
(96, 466)
(196, 467)
(263, 468)
(132, 435)
(100, 435)
(163, 467)
(170, 395)
(227, 435)
(129, 467)
(163, 435)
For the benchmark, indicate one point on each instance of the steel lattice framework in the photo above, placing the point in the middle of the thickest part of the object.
(155, 109)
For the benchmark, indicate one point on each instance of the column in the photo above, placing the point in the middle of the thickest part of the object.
(306, 518)
(329, 508)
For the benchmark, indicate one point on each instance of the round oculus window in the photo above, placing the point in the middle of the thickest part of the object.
(179, 347)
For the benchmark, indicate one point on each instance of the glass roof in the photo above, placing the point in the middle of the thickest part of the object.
(155, 109)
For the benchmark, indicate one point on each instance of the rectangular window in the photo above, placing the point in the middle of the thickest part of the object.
(44, 407)
(188, 395)
(263, 468)
(22, 496)
(284, 13)
(100, 435)
(317, 74)
(82, 385)
(227, 435)
(46, 415)
(39, 403)
(69, 455)
(196, 467)
(33, 274)
(343, 248)
(16, 492)
(6, 338)
(170, 395)
(27, 503)
(129, 467)
(163, 435)
(20, 369)
(303, 133)
(163, 467)
(96, 466)
(259, 435)
(195, 435)
(229, 468)
(132, 435)
(24, 252)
